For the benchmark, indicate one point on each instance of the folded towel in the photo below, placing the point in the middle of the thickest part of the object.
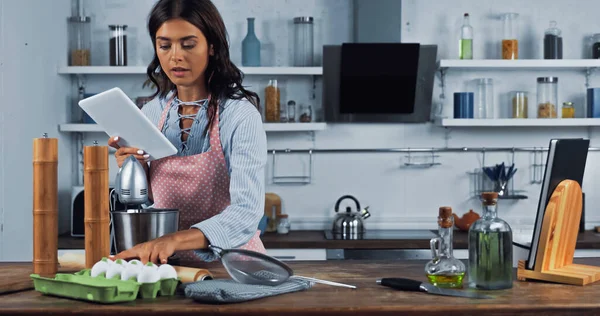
(230, 291)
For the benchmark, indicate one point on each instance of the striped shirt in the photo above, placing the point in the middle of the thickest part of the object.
(244, 145)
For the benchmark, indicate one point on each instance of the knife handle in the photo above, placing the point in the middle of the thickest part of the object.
(401, 284)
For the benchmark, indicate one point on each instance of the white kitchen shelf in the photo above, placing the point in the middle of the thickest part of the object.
(483, 64)
(508, 122)
(111, 70)
(269, 127)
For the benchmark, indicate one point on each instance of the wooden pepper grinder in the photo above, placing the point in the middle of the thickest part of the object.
(96, 204)
(45, 206)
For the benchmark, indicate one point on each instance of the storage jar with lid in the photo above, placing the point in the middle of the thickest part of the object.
(510, 42)
(272, 102)
(553, 43)
(303, 41)
(80, 41)
(547, 97)
(283, 224)
(568, 110)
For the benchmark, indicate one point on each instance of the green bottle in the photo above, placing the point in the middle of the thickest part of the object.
(465, 45)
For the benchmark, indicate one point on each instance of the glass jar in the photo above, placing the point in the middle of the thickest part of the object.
(519, 104)
(490, 248)
(553, 43)
(595, 45)
(272, 102)
(485, 99)
(291, 111)
(303, 41)
(80, 41)
(117, 49)
(510, 42)
(305, 114)
(547, 97)
(568, 110)
(283, 224)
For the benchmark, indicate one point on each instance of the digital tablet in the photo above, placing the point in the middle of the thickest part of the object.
(117, 115)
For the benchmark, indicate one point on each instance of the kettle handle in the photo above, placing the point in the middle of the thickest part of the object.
(337, 204)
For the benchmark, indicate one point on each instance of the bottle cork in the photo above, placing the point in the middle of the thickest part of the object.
(45, 206)
(445, 219)
(489, 198)
(96, 204)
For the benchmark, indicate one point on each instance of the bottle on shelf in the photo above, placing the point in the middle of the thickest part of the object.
(490, 249)
(444, 270)
(465, 44)
(553, 43)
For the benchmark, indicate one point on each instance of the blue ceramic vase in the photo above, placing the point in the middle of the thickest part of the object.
(251, 47)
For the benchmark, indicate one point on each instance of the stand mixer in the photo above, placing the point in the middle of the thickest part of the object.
(136, 224)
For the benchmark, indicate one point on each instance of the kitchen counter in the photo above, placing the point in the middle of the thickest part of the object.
(525, 298)
(307, 239)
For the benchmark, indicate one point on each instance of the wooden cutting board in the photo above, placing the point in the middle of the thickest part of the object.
(15, 277)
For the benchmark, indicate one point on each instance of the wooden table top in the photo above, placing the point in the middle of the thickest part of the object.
(315, 239)
(525, 298)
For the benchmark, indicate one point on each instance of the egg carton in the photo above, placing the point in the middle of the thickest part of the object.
(98, 288)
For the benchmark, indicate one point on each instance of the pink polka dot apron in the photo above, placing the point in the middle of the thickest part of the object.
(197, 185)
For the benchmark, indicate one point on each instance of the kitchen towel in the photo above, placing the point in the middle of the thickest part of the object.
(231, 291)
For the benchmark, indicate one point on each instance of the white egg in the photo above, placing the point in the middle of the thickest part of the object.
(121, 262)
(99, 268)
(166, 271)
(130, 271)
(135, 262)
(148, 275)
(114, 270)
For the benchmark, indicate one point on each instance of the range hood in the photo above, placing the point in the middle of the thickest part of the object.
(378, 82)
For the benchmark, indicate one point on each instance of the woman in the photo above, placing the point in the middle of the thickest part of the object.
(216, 180)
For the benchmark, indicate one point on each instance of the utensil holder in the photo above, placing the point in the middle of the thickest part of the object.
(558, 238)
(480, 183)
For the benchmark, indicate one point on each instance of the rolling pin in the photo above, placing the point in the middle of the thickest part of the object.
(45, 206)
(76, 262)
(96, 205)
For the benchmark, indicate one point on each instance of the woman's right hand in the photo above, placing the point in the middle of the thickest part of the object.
(123, 152)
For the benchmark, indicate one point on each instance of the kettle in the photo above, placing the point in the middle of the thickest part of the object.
(350, 225)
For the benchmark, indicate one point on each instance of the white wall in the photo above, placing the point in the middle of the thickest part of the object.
(34, 101)
(399, 197)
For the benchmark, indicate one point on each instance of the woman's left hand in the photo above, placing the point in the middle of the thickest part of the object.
(156, 251)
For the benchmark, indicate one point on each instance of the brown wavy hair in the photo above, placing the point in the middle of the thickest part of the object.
(226, 81)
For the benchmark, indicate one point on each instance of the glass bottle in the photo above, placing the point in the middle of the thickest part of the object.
(568, 110)
(444, 270)
(465, 45)
(272, 102)
(595, 46)
(490, 249)
(510, 42)
(291, 111)
(553, 42)
(547, 97)
(117, 47)
(80, 41)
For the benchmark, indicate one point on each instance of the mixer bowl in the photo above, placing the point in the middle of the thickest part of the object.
(131, 229)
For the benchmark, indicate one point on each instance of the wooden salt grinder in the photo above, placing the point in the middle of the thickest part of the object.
(96, 204)
(45, 206)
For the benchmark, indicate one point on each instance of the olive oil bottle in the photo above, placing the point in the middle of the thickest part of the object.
(444, 270)
(465, 45)
(490, 249)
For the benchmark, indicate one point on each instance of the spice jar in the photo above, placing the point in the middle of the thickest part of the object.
(519, 104)
(291, 111)
(305, 114)
(510, 42)
(80, 41)
(283, 224)
(547, 97)
(568, 110)
(272, 99)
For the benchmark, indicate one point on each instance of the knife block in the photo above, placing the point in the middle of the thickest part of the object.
(560, 226)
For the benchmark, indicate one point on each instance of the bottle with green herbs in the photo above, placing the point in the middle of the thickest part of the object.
(465, 44)
(490, 249)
